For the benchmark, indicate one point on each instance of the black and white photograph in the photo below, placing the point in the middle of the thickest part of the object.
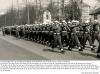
(50, 30)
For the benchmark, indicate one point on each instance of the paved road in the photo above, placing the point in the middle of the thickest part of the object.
(10, 51)
(15, 49)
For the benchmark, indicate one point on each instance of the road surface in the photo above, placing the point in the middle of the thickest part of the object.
(12, 48)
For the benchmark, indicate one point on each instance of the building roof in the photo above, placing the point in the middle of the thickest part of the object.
(96, 11)
(85, 5)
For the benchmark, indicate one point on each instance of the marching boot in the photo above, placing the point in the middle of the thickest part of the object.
(62, 50)
(69, 48)
(98, 55)
(80, 49)
(92, 48)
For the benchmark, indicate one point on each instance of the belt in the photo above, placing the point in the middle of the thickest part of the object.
(64, 31)
(86, 32)
(56, 33)
(73, 33)
(96, 31)
(46, 31)
(51, 31)
(77, 31)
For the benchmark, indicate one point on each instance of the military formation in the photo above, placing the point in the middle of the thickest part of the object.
(57, 34)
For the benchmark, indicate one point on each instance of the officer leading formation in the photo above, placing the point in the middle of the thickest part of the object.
(57, 34)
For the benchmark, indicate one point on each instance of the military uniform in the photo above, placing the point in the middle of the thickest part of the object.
(57, 36)
(3, 31)
(74, 38)
(86, 35)
(64, 33)
(96, 35)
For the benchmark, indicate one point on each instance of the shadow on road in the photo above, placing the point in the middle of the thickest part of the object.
(50, 50)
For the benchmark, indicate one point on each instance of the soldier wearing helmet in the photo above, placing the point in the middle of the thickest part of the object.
(86, 34)
(57, 36)
(73, 36)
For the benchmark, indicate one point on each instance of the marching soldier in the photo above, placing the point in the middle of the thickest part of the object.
(86, 35)
(74, 38)
(57, 36)
(65, 36)
(3, 31)
(17, 31)
(51, 33)
(96, 35)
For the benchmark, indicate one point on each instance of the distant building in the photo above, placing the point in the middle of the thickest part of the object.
(46, 17)
(95, 14)
(85, 10)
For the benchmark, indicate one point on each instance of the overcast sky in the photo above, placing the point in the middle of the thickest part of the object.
(5, 4)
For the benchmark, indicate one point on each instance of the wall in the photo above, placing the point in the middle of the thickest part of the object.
(98, 18)
(85, 13)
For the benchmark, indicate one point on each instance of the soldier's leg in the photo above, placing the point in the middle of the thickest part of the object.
(67, 39)
(44, 36)
(54, 43)
(97, 35)
(41, 37)
(77, 42)
(71, 39)
(84, 40)
(3, 33)
(28, 35)
(38, 37)
(60, 43)
(98, 51)
(90, 42)
(46, 39)
(93, 37)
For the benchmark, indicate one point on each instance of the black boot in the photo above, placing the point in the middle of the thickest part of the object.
(69, 48)
(98, 55)
(80, 49)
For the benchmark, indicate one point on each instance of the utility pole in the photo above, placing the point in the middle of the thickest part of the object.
(81, 9)
(28, 14)
(18, 12)
(36, 10)
(12, 14)
(59, 8)
(72, 2)
(63, 8)
(40, 10)
(5, 20)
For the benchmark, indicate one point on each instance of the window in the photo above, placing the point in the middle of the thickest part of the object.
(47, 17)
(95, 16)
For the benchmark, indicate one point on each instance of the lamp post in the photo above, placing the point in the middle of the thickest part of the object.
(28, 14)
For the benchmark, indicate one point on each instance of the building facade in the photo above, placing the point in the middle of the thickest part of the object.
(85, 12)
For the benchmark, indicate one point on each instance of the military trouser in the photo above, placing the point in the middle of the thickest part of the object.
(50, 37)
(30, 35)
(65, 38)
(93, 37)
(97, 36)
(7, 32)
(17, 34)
(74, 41)
(86, 36)
(34, 36)
(20, 34)
(43, 37)
(26, 34)
(46, 38)
(3, 33)
(38, 36)
(57, 40)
